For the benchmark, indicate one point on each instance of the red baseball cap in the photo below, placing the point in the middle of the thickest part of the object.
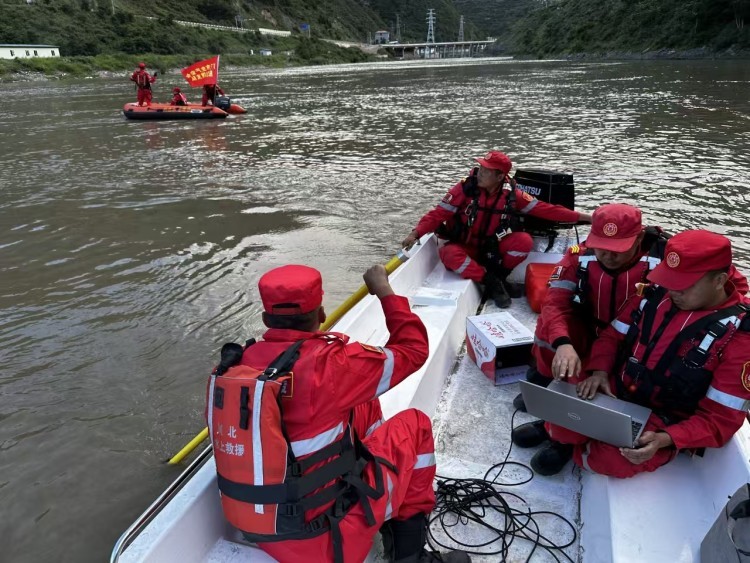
(689, 256)
(496, 160)
(291, 290)
(142, 65)
(614, 227)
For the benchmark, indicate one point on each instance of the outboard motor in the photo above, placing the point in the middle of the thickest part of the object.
(549, 186)
(222, 102)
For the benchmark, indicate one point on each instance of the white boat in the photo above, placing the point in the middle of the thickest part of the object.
(659, 517)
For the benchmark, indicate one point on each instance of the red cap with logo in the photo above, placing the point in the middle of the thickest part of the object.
(496, 160)
(291, 290)
(614, 227)
(689, 256)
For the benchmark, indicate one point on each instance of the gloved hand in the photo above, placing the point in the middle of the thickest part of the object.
(156, 73)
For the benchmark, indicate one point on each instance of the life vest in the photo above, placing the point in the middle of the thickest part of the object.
(143, 80)
(179, 99)
(458, 229)
(654, 242)
(678, 381)
(265, 489)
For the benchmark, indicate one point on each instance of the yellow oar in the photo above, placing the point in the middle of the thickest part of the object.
(331, 319)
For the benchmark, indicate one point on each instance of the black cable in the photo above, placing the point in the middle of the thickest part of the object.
(465, 501)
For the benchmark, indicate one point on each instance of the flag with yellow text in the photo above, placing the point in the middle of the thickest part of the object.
(202, 72)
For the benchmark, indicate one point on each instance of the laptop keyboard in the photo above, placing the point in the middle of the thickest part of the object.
(636, 427)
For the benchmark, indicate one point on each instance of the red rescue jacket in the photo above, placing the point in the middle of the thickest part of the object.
(334, 376)
(143, 79)
(721, 385)
(583, 295)
(179, 99)
(491, 213)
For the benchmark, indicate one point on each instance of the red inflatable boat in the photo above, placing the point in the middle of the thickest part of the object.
(166, 111)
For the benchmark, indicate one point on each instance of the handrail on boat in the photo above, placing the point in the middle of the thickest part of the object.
(129, 535)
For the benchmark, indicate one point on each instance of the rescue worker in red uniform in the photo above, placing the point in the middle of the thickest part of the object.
(683, 350)
(586, 291)
(333, 377)
(143, 80)
(477, 216)
(178, 98)
(210, 91)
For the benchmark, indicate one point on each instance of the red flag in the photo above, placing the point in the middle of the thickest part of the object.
(202, 72)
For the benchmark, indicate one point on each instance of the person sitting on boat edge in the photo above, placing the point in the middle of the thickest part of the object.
(210, 91)
(682, 350)
(389, 483)
(178, 98)
(586, 290)
(143, 81)
(478, 217)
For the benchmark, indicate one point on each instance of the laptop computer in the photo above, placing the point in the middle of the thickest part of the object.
(603, 418)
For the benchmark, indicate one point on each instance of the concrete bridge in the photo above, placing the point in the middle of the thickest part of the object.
(444, 50)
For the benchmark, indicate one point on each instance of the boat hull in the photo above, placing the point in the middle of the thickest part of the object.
(166, 111)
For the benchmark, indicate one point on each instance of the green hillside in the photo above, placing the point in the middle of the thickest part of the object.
(497, 17)
(413, 19)
(574, 26)
(89, 27)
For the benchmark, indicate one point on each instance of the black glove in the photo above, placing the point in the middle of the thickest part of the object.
(156, 73)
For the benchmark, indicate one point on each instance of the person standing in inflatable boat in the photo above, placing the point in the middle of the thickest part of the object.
(143, 81)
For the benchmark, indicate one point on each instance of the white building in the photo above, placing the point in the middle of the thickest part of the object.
(9, 51)
(382, 37)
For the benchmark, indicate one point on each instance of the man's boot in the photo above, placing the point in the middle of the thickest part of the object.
(529, 435)
(552, 459)
(404, 542)
(494, 287)
(515, 290)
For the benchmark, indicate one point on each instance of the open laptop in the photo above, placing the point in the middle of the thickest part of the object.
(603, 418)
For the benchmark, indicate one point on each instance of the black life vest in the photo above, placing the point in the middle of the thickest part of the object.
(458, 229)
(682, 381)
(265, 489)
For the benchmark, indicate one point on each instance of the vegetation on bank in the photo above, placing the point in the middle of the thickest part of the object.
(600, 26)
(89, 27)
(289, 52)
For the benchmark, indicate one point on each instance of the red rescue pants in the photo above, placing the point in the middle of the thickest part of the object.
(406, 441)
(144, 96)
(606, 459)
(514, 248)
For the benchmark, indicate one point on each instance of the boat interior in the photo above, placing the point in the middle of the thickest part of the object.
(574, 516)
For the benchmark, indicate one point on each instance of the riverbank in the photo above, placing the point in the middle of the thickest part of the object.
(298, 52)
(696, 54)
(699, 53)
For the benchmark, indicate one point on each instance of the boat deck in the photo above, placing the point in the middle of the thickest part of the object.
(651, 518)
(472, 428)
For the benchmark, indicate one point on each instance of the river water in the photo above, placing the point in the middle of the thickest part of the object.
(129, 252)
